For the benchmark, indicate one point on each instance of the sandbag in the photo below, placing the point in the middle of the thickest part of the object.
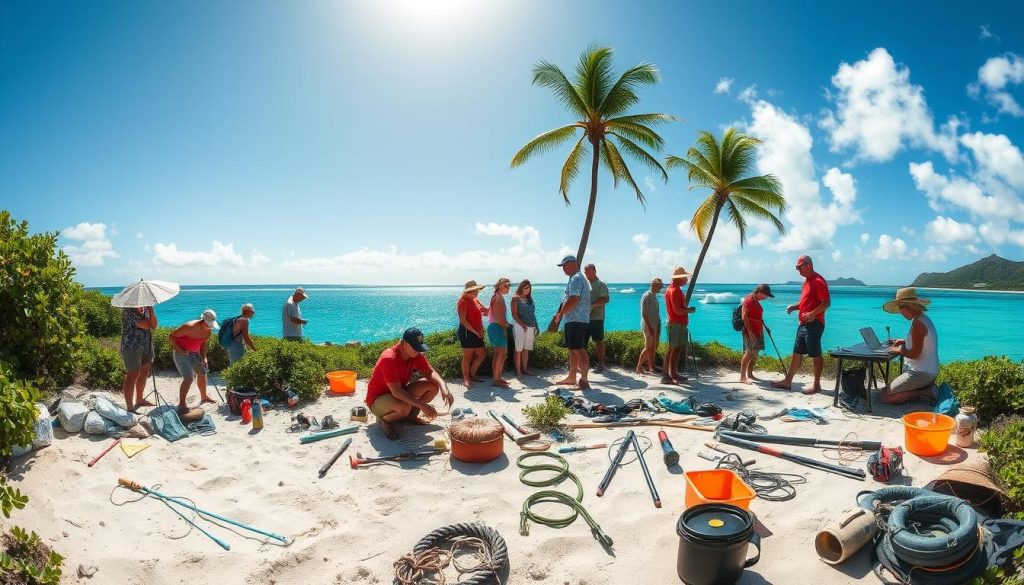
(44, 427)
(72, 416)
(112, 412)
(138, 431)
(94, 424)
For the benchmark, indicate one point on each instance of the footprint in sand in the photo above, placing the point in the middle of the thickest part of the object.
(193, 466)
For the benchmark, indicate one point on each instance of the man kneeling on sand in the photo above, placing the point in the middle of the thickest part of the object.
(394, 393)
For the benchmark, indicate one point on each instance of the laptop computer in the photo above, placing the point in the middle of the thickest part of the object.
(871, 340)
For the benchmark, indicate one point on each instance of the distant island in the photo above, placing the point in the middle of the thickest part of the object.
(991, 273)
(837, 282)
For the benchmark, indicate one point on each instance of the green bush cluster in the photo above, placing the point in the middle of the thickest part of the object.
(993, 385)
(39, 311)
(100, 318)
(27, 560)
(302, 365)
(100, 363)
(1004, 444)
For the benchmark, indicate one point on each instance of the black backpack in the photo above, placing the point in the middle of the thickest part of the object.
(737, 317)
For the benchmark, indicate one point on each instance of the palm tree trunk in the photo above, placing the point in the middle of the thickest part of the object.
(590, 207)
(703, 252)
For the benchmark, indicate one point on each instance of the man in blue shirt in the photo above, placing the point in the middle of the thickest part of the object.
(575, 310)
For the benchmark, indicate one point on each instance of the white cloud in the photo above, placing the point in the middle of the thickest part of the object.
(997, 158)
(528, 237)
(786, 153)
(984, 32)
(837, 256)
(748, 94)
(657, 260)
(994, 79)
(220, 254)
(641, 239)
(724, 85)
(933, 254)
(948, 231)
(258, 258)
(878, 112)
(864, 237)
(94, 248)
(890, 248)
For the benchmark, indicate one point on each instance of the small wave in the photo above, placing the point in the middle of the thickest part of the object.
(627, 291)
(725, 298)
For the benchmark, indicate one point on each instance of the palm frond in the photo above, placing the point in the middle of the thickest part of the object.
(734, 216)
(700, 223)
(647, 119)
(698, 173)
(550, 76)
(571, 168)
(738, 157)
(622, 95)
(611, 163)
(544, 143)
(637, 132)
(709, 149)
(753, 209)
(623, 170)
(594, 76)
(636, 151)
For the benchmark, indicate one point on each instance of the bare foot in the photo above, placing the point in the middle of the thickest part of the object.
(667, 380)
(466, 383)
(566, 382)
(143, 402)
(744, 381)
(782, 384)
(500, 382)
(207, 400)
(811, 390)
(389, 429)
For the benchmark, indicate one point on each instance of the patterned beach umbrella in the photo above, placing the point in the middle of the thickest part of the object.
(145, 293)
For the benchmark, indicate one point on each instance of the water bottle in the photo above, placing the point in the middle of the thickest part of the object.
(966, 423)
(257, 415)
(293, 399)
(246, 411)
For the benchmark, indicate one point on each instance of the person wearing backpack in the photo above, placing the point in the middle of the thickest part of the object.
(234, 334)
(752, 327)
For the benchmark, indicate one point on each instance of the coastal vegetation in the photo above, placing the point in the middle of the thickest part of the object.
(990, 273)
(725, 167)
(600, 103)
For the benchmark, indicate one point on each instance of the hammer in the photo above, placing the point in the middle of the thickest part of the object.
(512, 429)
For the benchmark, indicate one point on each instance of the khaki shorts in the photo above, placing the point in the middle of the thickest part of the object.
(677, 335)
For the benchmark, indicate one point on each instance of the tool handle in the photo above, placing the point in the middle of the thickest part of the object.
(575, 448)
(104, 452)
(353, 462)
(130, 484)
(607, 480)
(327, 466)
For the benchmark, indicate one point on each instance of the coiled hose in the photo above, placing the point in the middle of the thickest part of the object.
(561, 471)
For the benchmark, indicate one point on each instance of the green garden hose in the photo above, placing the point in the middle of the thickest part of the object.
(562, 473)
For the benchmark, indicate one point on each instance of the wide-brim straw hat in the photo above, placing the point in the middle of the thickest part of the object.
(471, 286)
(680, 272)
(973, 480)
(904, 297)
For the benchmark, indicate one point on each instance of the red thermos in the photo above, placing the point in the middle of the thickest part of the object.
(246, 411)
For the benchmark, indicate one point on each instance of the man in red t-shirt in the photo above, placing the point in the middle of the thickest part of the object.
(814, 299)
(753, 330)
(678, 320)
(392, 396)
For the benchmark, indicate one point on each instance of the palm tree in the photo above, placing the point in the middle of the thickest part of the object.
(600, 104)
(725, 168)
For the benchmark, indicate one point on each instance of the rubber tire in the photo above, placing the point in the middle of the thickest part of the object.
(952, 514)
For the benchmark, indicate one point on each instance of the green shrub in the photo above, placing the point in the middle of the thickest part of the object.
(100, 363)
(993, 385)
(548, 415)
(27, 560)
(42, 327)
(301, 365)
(1004, 444)
(622, 348)
(549, 352)
(100, 318)
(17, 412)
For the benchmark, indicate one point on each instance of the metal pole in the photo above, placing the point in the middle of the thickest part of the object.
(608, 475)
(647, 472)
(783, 363)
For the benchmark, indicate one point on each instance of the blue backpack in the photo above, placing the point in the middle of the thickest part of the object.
(226, 336)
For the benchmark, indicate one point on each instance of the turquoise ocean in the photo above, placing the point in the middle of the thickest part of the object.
(971, 324)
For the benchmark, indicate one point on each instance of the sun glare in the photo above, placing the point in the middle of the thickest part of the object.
(429, 17)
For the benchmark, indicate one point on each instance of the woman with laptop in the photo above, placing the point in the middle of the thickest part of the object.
(920, 349)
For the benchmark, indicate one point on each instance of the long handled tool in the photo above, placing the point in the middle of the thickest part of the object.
(608, 475)
(327, 466)
(577, 448)
(105, 451)
(804, 441)
(781, 362)
(314, 437)
(676, 423)
(360, 460)
(671, 455)
(512, 432)
(137, 487)
(716, 458)
(647, 472)
(519, 428)
(805, 461)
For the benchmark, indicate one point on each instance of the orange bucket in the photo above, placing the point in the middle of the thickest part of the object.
(717, 486)
(342, 381)
(927, 433)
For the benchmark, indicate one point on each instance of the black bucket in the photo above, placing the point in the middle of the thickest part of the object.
(235, 398)
(713, 542)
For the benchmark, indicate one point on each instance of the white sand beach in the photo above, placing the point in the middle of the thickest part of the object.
(350, 526)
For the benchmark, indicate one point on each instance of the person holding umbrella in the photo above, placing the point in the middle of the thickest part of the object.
(138, 321)
(189, 343)
(137, 325)
(753, 330)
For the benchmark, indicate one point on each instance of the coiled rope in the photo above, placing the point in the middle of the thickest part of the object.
(473, 549)
(561, 470)
(774, 487)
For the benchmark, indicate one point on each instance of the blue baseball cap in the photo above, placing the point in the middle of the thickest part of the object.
(567, 259)
(414, 337)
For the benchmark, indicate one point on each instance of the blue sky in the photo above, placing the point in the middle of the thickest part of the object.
(369, 142)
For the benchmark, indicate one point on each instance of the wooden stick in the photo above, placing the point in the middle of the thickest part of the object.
(105, 451)
(641, 423)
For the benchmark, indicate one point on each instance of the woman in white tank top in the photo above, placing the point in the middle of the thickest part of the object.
(920, 349)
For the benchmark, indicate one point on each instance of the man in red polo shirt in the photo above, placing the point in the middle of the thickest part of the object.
(678, 322)
(390, 394)
(814, 300)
